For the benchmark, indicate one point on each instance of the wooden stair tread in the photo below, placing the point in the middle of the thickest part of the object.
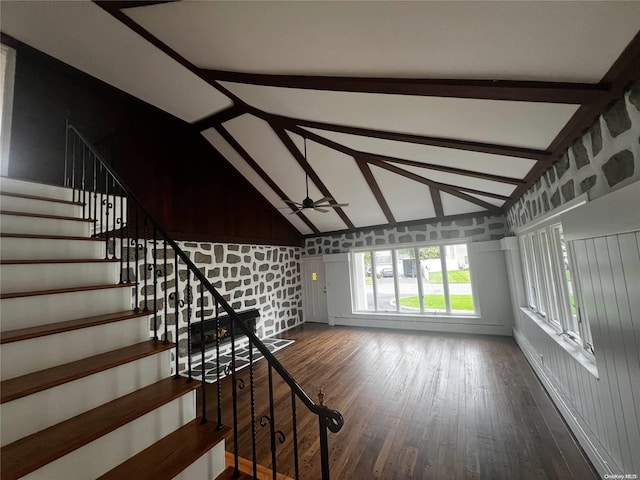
(54, 291)
(170, 455)
(44, 199)
(30, 453)
(44, 215)
(24, 385)
(228, 475)
(59, 327)
(49, 237)
(58, 260)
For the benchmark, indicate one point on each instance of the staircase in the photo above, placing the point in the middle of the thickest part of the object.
(85, 392)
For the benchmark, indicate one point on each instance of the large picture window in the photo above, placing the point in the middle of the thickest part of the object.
(423, 279)
(550, 288)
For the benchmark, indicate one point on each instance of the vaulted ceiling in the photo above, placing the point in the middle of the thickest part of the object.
(411, 111)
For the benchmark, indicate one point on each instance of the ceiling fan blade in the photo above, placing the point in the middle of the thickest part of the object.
(295, 211)
(293, 204)
(325, 199)
(320, 210)
(333, 205)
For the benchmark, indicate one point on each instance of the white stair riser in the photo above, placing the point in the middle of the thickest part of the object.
(208, 466)
(107, 452)
(38, 411)
(11, 185)
(43, 226)
(36, 310)
(30, 205)
(18, 248)
(29, 277)
(18, 358)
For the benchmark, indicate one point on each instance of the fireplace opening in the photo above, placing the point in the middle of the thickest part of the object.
(247, 317)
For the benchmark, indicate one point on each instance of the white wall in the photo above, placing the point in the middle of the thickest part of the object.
(601, 401)
(491, 288)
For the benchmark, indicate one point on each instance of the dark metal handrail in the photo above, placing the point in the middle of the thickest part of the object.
(113, 187)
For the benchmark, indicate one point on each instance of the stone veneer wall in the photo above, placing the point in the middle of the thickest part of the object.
(604, 159)
(248, 276)
(476, 229)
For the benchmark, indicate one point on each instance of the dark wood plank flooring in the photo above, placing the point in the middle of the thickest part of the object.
(416, 406)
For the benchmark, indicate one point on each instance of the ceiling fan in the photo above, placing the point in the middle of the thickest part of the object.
(307, 203)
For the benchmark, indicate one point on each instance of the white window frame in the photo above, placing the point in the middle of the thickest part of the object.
(445, 279)
(546, 285)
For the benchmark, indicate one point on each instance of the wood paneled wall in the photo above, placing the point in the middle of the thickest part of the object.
(190, 188)
(603, 408)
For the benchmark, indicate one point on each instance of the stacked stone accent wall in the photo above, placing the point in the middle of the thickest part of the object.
(476, 229)
(266, 278)
(605, 158)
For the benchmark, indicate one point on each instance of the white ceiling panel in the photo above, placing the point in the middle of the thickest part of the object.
(467, 160)
(524, 124)
(250, 174)
(408, 200)
(462, 181)
(456, 206)
(345, 181)
(260, 141)
(527, 40)
(86, 37)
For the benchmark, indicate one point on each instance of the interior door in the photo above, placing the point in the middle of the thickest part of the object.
(314, 290)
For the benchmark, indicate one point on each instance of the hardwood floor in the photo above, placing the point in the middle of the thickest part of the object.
(416, 406)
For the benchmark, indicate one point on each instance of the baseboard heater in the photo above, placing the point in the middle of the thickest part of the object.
(247, 317)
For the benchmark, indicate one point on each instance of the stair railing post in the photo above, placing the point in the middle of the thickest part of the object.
(202, 341)
(324, 441)
(218, 387)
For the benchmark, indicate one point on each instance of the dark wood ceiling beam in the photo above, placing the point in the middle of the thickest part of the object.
(518, 91)
(478, 192)
(219, 118)
(356, 153)
(481, 147)
(375, 189)
(442, 168)
(431, 183)
(121, 4)
(253, 164)
(295, 152)
(437, 202)
(408, 223)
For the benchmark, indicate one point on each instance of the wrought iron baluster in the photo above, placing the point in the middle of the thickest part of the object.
(121, 221)
(324, 441)
(101, 222)
(272, 425)
(156, 272)
(204, 383)
(73, 168)
(254, 461)
(95, 195)
(128, 245)
(294, 422)
(84, 193)
(218, 388)
(137, 263)
(65, 180)
(166, 287)
(188, 301)
(234, 396)
(146, 266)
(177, 311)
(107, 206)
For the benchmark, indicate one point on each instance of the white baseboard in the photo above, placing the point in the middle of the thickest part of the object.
(602, 461)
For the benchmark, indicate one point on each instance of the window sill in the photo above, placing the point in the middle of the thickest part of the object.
(426, 317)
(587, 361)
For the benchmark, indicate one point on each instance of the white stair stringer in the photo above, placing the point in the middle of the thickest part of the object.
(11, 185)
(35, 310)
(44, 207)
(32, 225)
(17, 358)
(108, 451)
(27, 248)
(35, 412)
(44, 276)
